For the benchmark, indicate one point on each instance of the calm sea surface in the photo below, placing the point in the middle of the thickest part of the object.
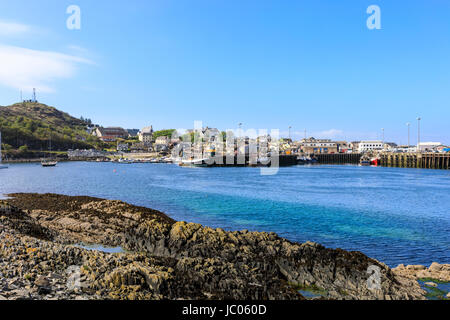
(394, 215)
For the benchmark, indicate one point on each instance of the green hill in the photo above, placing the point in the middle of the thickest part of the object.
(28, 127)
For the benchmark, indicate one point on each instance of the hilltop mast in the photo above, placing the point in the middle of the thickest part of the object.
(34, 95)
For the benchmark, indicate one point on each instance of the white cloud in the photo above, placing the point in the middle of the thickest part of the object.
(77, 49)
(13, 28)
(24, 69)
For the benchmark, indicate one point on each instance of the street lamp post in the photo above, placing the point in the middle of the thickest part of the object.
(418, 133)
(409, 125)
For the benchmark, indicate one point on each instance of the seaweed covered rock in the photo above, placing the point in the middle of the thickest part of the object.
(166, 259)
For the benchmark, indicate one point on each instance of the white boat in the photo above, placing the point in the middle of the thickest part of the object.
(49, 162)
(167, 160)
(1, 166)
(194, 163)
(125, 161)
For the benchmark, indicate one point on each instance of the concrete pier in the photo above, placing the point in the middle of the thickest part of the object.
(416, 160)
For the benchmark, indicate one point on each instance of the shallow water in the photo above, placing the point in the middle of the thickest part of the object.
(102, 248)
(395, 215)
(436, 293)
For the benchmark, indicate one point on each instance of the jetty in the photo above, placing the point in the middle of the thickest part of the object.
(430, 160)
(416, 160)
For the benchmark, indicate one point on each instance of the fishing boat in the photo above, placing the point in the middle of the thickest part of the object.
(375, 162)
(306, 160)
(365, 161)
(1, 166)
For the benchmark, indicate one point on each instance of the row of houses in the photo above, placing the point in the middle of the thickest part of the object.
(211, 136)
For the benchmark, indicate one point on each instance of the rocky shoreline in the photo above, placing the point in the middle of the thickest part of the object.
(41, 258)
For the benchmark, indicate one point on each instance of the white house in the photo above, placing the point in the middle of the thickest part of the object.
(366, 146)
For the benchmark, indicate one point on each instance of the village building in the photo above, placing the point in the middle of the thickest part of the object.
(367, 146)
(110, 134)
(316, 146)
(141, 147)
(428, 146)
(132, 133)
(162, 143)
(123, 147)
(146, 135)
(212, 135)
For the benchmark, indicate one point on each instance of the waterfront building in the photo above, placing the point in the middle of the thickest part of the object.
(146, 135)
(162, 143)
(138, 147)
(123, 147)
(211, 135)
(367, 146)
(404, 149)
(314, 146)
(343, 147)
(390, 146)
(110, 134)
(132, 133)
(428, 146)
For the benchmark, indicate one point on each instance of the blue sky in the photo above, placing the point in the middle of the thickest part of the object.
(268, 64)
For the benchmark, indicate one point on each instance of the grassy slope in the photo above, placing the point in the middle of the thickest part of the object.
(31, 124)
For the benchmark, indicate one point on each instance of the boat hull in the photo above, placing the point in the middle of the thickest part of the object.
(49, 164)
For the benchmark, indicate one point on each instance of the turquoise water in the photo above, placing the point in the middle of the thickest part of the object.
(395, 215)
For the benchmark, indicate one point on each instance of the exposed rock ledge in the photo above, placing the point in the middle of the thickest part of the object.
(166, 259)
(440, 272)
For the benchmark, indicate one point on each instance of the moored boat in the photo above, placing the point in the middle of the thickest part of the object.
(49, 163)
(375, 162)
(194, 163)
(365, 161)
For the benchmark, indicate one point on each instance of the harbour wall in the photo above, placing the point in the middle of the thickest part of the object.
(416, 160)
(338, 158)
(244, 161)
